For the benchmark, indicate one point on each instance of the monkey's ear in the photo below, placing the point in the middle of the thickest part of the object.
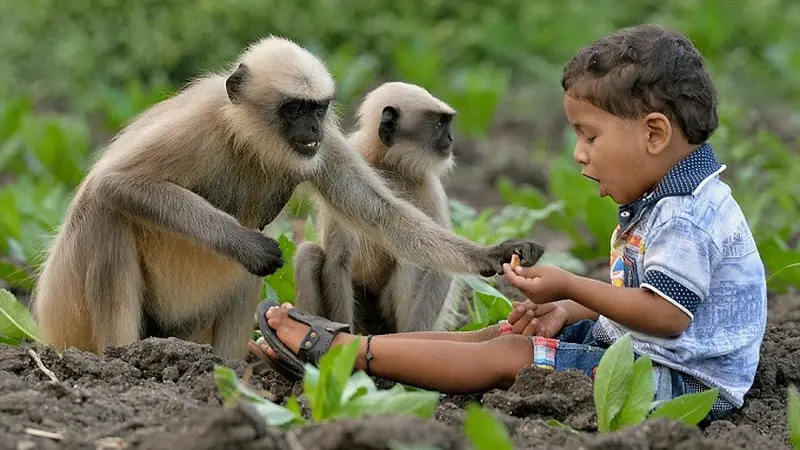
(235, 83)
(388, 126)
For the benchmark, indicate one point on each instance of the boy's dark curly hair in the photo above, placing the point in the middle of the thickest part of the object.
(643, 69)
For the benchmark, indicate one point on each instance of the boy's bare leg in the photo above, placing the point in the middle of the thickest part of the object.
(441, 365)
(484, 334)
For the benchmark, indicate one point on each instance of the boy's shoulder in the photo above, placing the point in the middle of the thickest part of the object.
(710, 213)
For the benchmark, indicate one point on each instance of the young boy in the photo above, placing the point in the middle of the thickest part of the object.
(686, 278)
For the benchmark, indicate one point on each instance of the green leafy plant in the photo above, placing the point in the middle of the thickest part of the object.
(16, 322)
(280, 285)
(484, 431)
(333, 391)
(793, 416)
(624, 389)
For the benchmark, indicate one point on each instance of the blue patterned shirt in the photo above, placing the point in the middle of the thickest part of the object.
(689, 242)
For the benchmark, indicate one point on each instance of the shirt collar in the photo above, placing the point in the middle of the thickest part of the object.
(686, 177)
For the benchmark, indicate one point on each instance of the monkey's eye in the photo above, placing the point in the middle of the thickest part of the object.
(321, 110)
(295, 109)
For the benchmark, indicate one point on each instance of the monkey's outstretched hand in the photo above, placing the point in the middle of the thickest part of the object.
(528, 250)
(261, 254)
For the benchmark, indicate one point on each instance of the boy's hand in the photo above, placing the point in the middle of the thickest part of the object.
(530, 319)
(541, 284)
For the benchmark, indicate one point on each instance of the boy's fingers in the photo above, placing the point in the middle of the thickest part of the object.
(532, 328)
(528, 272)
(523, 322)
(517, 312)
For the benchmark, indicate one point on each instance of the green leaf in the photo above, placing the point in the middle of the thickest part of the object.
(16, 322)
(484, 431)
(314, 391)
(234, 391)
(335, 368)
(392, 401)
(293, 406)
(16, 276)
(611, 381)
(357, 385)
(689, 408)
(282, 280)
(640, 395)
(793, 417)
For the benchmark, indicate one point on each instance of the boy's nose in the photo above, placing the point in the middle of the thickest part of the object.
(579, 155)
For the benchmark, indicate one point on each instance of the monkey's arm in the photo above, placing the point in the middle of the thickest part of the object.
(360, 198)
(179, 210)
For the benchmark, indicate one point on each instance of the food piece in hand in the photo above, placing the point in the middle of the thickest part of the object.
(514, 262)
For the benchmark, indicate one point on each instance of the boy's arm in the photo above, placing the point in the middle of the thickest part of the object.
(636, 308)
(576, 312)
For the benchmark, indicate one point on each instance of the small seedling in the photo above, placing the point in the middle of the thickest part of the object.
(16, 322)
(333, 392)
(485, 432)
(624, 389)
(793, 416)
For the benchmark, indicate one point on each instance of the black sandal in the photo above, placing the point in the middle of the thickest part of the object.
(316, 342)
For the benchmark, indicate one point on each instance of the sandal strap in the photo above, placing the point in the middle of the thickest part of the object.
(319, 337)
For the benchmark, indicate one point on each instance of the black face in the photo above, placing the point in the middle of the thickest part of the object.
(442, 140)
(434, 133)
(302, 124)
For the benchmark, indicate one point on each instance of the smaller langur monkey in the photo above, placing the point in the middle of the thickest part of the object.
(404, 133)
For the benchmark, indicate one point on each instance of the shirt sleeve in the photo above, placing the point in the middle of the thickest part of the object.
(677, 263)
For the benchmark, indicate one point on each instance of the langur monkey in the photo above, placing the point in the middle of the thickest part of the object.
(162, 237)
(404, 133)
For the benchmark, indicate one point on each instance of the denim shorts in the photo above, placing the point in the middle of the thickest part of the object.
(576, 348)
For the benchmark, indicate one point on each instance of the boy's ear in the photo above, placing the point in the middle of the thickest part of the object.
(659, 132)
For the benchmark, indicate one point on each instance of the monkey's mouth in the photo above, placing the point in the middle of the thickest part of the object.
(307, 148)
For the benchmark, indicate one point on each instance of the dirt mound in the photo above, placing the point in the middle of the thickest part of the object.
(160, 394)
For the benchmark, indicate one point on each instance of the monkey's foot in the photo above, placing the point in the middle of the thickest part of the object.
(295, 337)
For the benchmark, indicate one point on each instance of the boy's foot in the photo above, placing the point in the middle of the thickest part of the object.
(294, 337)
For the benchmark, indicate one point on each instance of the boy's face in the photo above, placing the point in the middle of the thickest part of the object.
(611, 151)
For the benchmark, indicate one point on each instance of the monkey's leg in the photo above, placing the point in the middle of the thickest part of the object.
(337, 289)
(114, 286)
(418, 296)
(179, 210)
(234, 325)
(308, 261)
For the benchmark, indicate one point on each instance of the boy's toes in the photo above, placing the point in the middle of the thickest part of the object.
(276, 316)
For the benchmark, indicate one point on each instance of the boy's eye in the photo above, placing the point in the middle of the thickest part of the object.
(590, 140)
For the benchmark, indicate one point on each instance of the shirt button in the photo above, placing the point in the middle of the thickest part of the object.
(625, 214)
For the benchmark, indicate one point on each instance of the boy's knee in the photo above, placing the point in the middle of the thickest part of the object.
(513, 352)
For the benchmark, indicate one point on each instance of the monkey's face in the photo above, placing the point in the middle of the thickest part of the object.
(303, 122)
(429, 130)
(441, 140)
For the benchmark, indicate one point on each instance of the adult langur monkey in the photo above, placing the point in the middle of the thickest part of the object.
(161, 238)
(404, 133)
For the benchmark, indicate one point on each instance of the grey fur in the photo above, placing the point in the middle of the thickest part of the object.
(163, 232)
(369, 281)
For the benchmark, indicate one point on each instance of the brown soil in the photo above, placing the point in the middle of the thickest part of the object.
(159, 394)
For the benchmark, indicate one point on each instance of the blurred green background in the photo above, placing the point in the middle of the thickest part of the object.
(72, 72)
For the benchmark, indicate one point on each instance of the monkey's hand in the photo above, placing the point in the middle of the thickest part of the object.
(528, 251)
(262, 255)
